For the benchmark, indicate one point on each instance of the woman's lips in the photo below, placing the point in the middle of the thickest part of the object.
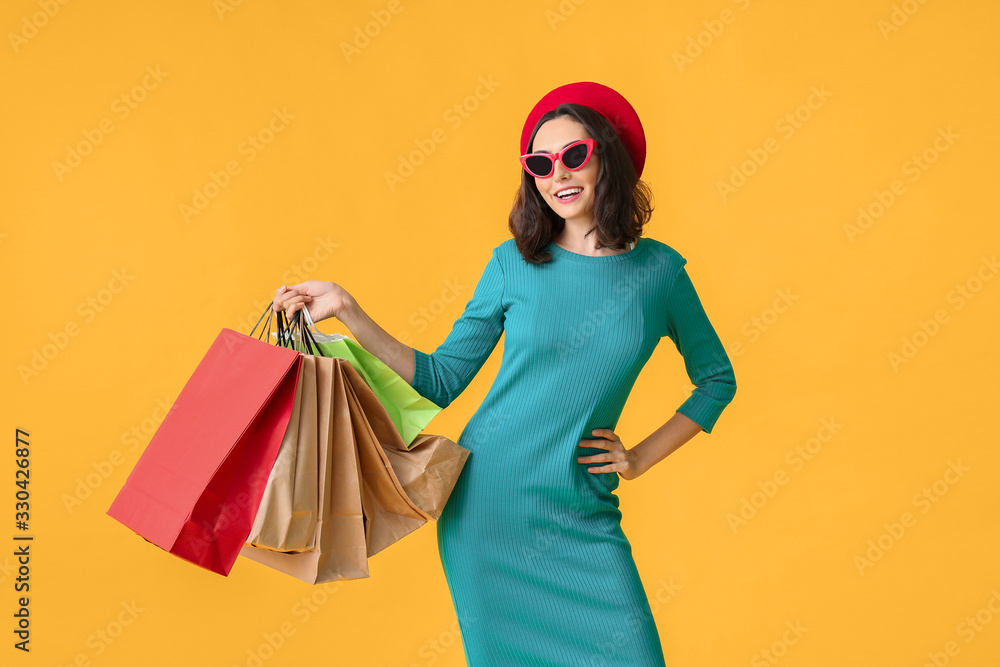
(567, 200)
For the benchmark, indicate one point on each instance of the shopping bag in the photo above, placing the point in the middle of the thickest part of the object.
(196, 488)
(426, 470)
(409, 411)
(340, 550)
(364, 506)
(288, 511)
(389, 513)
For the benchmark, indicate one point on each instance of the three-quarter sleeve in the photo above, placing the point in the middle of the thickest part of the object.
(705, 357)
(444, 374)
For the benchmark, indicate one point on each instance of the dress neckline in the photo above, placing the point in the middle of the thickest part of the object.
(559, 251)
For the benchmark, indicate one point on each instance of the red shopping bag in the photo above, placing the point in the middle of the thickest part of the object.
(197, 486)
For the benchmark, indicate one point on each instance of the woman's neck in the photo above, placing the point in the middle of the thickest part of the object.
(572, 238)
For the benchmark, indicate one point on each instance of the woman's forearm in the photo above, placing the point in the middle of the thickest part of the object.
(378, 341)
(675, 432)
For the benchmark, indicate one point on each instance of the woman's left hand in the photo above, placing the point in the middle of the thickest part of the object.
(620, 460)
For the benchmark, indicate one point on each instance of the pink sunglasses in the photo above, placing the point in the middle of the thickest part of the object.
(573, 158)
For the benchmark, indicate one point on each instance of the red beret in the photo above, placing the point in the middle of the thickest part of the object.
(607, 102)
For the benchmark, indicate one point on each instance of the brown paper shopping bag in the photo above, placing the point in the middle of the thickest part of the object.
(363, 507)
(339, 550)
(289, 509)
(426, 470)
(389, 513)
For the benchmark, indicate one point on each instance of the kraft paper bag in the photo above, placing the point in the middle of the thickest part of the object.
(196, 487)
(389, 513)
(364, 506)
(339, 550)
(428, 469)
(286, 518)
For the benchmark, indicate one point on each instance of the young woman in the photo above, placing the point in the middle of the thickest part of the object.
(531, 543)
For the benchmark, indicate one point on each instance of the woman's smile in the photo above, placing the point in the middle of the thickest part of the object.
(569, 193)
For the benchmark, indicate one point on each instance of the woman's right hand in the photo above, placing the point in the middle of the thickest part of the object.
(323, 299)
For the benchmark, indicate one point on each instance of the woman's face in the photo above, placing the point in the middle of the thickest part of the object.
(552, 137)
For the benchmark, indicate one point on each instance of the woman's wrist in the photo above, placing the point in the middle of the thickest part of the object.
(376, 340)
(350, 312)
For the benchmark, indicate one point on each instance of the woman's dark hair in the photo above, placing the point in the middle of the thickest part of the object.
(623, 203)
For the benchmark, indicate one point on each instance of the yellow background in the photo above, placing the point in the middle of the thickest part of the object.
(810, 308)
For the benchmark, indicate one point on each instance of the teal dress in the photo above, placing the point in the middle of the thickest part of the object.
(531, 543)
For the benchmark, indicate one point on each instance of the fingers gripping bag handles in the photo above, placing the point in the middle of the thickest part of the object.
(196, 488)
(409, 411)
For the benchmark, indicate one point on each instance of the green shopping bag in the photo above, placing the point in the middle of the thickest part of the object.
(409, 411)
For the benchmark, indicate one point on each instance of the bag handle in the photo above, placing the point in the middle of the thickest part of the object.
(269, 313)
(319, 336)
(287, 330)
(309, 322)
(297, 336)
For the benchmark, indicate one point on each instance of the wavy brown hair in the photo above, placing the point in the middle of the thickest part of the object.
(623, 203)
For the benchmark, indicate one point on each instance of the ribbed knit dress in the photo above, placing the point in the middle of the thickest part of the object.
(531, 543)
